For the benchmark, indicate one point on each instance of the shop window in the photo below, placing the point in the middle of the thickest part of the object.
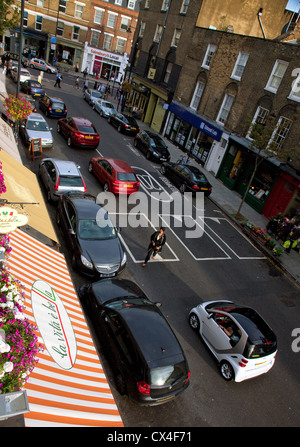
(225, 109)
(260, 118)
(98, 16)
(75, 35)
(281, 131)
(240, 66)
(38, 23)
(276, 76)
(261, 184)
(184, 6)
(94, 38)
(197, 95)
(209, 56)
(60, 28)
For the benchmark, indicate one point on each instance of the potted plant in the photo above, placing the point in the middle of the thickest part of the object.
(277, 251)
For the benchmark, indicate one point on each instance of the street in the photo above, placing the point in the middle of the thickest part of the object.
(221, 264)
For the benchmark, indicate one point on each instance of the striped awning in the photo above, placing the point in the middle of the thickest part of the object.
(68, 387)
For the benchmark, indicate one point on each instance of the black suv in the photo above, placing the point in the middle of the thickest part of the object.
(146, 358)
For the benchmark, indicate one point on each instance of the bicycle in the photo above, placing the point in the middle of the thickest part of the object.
(184, 160)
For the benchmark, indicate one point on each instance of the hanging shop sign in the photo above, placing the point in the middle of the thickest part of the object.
(10, 220)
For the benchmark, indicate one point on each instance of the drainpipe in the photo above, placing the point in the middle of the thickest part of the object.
(259, 19)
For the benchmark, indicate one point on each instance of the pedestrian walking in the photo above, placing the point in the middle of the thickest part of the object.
(85, 85)
(77, 82)
(158, 239)
(85, 72)
(58, 79)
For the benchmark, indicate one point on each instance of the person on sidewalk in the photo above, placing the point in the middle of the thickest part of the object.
(58, 79)
(293, 236)
(77, 82)
(158, 239)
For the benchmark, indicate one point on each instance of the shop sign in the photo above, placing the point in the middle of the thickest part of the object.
(10, 220)
(54, 324)
(105, 54)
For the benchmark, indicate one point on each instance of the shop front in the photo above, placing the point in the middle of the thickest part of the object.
(191, 132)
(103, 63)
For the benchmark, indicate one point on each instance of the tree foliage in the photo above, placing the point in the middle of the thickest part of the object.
(9, 15)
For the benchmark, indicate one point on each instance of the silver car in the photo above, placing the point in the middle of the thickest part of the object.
(40, 64)
(104, 108)
(59, 177)
(36, 127)
(24, 74)
(91, 96)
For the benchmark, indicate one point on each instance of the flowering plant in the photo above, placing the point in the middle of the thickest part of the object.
(18, 342)
(2, 182)
(17, 109)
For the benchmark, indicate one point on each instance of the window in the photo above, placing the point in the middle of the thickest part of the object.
(225, 108)
(40, 3)
(259, 118)
(281, 131)
(120, 45)
(165, 5)
(62, 5)
(176, 37)
(125, 21)
(147, 4)
(98, 16)
(295, 92)
(95, 38)
(142, 29)
(158, 33)
(184, 6)
(25, 19)
(111, 20)
(60, 28)
(168, 72)
(276, 76)
(131, 4)
(107, 41)
(38, 23)
(209, 56)
(79, 10)
(75, 35)
(240, 66)
(197, 95)
(118, 2)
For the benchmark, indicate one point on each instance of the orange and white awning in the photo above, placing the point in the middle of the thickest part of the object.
(68, 387)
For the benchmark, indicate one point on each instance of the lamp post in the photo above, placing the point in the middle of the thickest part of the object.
(20, 48)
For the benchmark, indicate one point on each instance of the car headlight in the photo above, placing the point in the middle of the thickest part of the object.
(124, 259)
(86, 263)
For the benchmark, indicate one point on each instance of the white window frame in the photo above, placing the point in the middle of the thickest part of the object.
(98, 11)
(176, 37)
(280, 132)
(240, 65)
(184, 6)
(75, 34)
(60, 26)
(142, 29)
(118, 2)
(168, 72)
(158, 33)
(295, 92)
(40, 3)
(165, 5)
(260, 117)
(62, 7)
(131, 4)
(125, 23)
(225, 109)
(209, 55)
(79, 12)
(95, 32)
(120, 39)
(111, 17)
(107, 36)
(198, 92)
(276, 76)
(38, 24)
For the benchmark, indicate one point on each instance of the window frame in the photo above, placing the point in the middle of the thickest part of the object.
(255, 120)
(268, 86)
(194, 99)
(222, 108)
(295, 85)
(278, 134)
(211, 48)
(239, 66)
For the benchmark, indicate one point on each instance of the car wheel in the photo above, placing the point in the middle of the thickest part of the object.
(69, 142)
(163, 170)
(194, 322)
(58, 128)
(120, 384)
(226, 371)
(106, 187)
(182, 188)
(119, 128)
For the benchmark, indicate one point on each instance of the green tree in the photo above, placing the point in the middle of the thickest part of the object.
(9, 16)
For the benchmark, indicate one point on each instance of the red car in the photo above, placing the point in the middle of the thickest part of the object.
(78, 132)
(116, 176)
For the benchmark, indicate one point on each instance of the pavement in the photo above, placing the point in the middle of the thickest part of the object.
(227, 200)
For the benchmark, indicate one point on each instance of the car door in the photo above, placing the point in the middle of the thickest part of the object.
(213, 326)
(144, 142)
(48, 174)
(103, 171)
(69, 223)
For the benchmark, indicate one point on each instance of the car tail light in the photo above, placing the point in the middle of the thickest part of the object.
(117, 183)
(78, 135)
(195, 187)
(34, 109)
(243, 363)
(188, 377)
(84, 187)
(137, 183)
(127, 125)
(97, 137)
(55, 187)
(49, 108)
(65, 111)
(144, 388)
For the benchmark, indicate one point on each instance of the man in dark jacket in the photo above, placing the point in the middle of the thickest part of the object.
(158, 239)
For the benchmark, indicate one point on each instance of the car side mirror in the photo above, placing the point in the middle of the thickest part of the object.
(210, 316)
(72, 232)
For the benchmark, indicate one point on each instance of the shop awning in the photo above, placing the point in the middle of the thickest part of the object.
(68, 387)
(22, 186)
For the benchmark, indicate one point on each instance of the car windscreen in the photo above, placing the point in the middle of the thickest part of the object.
(58, 105)
(253, 351)
(37, 125)
(128, 302)
(108, 105)
(168, 375)
(70, 180)
(86, 129)
(126, 176)
(197, 176)
(96, 94)
(99, 229)
(157, 142)
(35, 85)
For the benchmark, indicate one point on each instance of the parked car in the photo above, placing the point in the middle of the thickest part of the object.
(31, 100)
(242, 342)
(24, 74)
(152, 145)
(147, 360)
(35, 127)
(116, 176)
(53, 107)
(104, 108)
(79, 132)
(124, 123)
(91, 239)
(8, 55)
(33, 88)
(91, 95)
(40, 64)
(59, 177)
(186, 177)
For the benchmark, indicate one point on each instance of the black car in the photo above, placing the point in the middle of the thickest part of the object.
(187, 178)
(90, 237)
(124, 123)
(33, 88)
(147, 360)
(152, 145)
(53, 107)
(9, 55)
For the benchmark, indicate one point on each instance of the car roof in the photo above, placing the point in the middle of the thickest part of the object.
(65, 167)
(36, 117)
(118, 165)
(85, 205)
(54, 98)
(81, 121)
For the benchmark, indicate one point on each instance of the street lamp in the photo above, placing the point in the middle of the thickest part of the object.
(20, 48)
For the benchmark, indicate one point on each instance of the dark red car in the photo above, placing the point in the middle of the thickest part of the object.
(116, 176)
(78, 132)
